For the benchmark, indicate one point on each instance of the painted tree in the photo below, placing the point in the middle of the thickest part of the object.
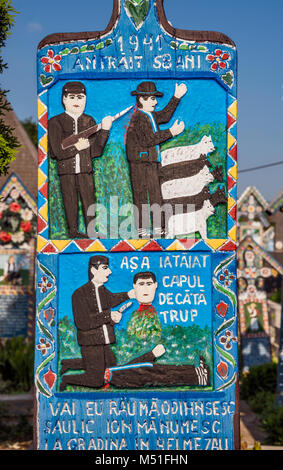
(8, 142)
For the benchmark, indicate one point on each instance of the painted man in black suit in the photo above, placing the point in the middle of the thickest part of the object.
(75, 165)
(143, 147)
(92, 304)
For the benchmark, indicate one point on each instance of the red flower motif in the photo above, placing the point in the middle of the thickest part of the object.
(50, 378)
(26, 226)
(51, 61)
(49, 314)
(14, 207)
(222, 309)
(5, 237)
(222, 369)
(218, 59)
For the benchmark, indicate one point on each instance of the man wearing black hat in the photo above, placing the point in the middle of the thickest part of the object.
(75, 167)
(143, 146)
(95, 322)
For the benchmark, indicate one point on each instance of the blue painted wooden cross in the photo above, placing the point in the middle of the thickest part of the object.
(137, 237)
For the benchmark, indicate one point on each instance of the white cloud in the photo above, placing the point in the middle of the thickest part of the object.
(34, 27)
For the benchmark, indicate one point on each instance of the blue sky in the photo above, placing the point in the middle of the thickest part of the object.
(254, 25)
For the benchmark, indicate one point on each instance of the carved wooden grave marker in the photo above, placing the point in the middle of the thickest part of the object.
(255, 266)
(136, 268)
(17, 255)
(280, 365)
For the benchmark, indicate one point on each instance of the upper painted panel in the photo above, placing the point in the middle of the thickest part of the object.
(137, 136)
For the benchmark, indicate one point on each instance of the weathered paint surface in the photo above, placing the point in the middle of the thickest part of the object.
(255, 265)
(184, 394)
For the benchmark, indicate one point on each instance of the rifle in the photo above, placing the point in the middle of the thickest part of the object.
(73, 139)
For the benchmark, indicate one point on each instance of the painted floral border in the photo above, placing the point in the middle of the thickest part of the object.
(46, 330)
(225, 330)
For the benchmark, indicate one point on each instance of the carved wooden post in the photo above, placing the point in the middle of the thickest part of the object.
(255, 266)
(280, 360)
(136, 330)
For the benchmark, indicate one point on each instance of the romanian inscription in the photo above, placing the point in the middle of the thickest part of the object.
(139, 424)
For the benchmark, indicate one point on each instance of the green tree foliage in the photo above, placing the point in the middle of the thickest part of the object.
(259, 388)
(16, 364)
(13, 427)
(31, 129)
(8, 142)
(261, 378)
(272, 419)
(183, 345)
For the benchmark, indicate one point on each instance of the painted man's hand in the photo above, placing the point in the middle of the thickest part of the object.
(180, 90)
(106, 123)
(177, 128)
(82, 144)
(159, 350)
(116, 316)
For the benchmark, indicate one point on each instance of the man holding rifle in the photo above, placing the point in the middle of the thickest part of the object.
(75, 166)
(94, 320)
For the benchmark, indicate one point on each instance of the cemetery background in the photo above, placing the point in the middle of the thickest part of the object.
(268, 241)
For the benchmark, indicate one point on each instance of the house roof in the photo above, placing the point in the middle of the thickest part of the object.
(252, 191)
(276, 203)
(25, 164)
(14, 182)
(274, 263)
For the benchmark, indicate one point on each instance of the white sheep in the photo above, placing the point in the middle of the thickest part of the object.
(184, 187)
(192, 222)
(188, 152)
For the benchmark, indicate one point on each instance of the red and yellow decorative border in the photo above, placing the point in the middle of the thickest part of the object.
(45, 245)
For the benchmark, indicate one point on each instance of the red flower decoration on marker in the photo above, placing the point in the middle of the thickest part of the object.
(50, 378)
(51, 62)
(222, 309)
(49, 314)
(222, 369)
(218, 59)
